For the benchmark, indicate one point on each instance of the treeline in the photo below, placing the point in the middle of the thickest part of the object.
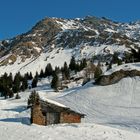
(10, 85)
(63, 75)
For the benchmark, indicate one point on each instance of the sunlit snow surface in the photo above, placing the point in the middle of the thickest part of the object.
(112, 113)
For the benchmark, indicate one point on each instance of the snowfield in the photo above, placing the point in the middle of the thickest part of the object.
(64, 132)
(112, 113)
(116, 105)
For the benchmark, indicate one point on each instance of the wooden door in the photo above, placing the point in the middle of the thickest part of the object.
(53, 118)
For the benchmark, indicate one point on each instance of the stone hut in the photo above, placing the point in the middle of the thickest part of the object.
(50, 112)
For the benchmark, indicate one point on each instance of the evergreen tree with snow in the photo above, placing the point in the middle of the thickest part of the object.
(33, 98)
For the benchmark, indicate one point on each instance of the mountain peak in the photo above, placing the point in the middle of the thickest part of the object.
(84, 38)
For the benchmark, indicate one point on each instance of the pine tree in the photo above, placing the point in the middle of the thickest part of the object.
(34, 82)
(10, 93)
(10, 80)
(65, 72)
(4, 85)
(27, 75)
(48, 70)
(77, 67)
(16, 83)
(83, 64)
(24, 83)
(33, 98)
(41, 74)
(5, 79)
(30, 76)
(57, 70)
(36, 75)
(55, 81)
(17, 96)
(72, 64)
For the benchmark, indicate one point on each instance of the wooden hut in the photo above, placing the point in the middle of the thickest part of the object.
(50, 112)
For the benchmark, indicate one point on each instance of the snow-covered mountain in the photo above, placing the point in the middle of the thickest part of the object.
(112, 111)
(52, 39)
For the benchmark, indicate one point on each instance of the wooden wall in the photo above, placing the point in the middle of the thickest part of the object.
(37, 117)
(69, 118)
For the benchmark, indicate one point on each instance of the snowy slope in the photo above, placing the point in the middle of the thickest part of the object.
(57, 57)
(14, 124)
(116, 104)
(132, 30)
(36, 64)
(112, 113)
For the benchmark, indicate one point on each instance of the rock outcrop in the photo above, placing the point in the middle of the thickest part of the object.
(116, 77)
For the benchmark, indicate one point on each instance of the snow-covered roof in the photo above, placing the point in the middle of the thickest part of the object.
(55, 106)
(55, 103)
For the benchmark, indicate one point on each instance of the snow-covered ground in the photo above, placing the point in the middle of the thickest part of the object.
(112, 113)
(14, 125)
(12, 131)
(117, 105)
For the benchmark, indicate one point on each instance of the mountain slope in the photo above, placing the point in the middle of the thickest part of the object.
(83, 38)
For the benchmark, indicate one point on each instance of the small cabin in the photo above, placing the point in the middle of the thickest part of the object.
(50, 112)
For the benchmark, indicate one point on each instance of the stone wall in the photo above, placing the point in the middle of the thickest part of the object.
(37, 116)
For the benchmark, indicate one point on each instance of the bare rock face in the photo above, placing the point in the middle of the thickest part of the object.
(116, 77)
(31, 43)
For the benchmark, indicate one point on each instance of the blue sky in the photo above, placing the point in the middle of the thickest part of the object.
(18, 16)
